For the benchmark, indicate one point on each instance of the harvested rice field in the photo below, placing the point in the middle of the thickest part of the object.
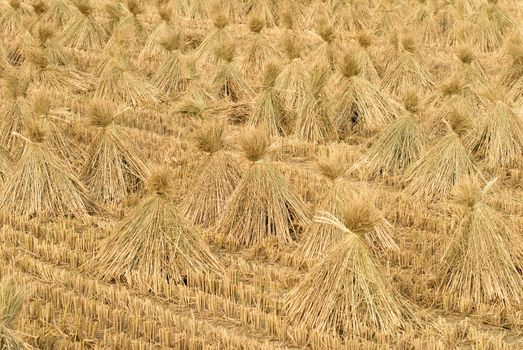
(261, 174)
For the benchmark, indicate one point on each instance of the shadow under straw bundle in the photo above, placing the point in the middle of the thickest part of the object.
(83, 31)
(41, 184)
(263, 206)
(483, 260)
(357, 104)
(268, 111)
(115, 167)
(219, 174)
(354, 297)
(314, 123)
(154, 240)
(12, 298)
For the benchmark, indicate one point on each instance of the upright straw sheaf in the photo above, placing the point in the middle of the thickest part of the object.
(268, 111)
(154, 240)
(152, 49)
(512, 77)
(218, 176)
(228, 81)
(483, 258)
(399, 146)
(354, 297)
(15, 113)
(83, 31)
(357, 104)
(55, 77)
(12, 298)
(314, 123)
(292, 81)
(440, 168)
(491, 23)
(115, 167)
(497, 136)
(129, 24)
(169, 74)
(120, 82)
(41, 184)
(12, 18)
(408, 71)
(263, 206)
(220, 33)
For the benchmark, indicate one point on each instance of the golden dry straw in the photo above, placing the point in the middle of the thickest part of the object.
(314, 123)
(268, 111)
(263, 206)
(115, 167)
(440, 168)
(483, 258)
(12, 298)
(218, 176)
(83, 31)
(43, 185)
(154, 240)
(354, 298)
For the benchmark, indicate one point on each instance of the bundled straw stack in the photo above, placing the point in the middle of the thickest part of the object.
(263, 205)
(154, 240)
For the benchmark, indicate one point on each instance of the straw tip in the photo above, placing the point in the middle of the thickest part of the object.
(159, 181)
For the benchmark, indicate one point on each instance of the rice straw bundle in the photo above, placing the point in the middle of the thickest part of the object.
(354, 298)
(168, 75)
(268, 111)
(400, 145)
(50, 117)
(41, 184)
(256, 49)
(263, 206)
(228, 81)
(57, 14)
(46, 38)
(440, 168)
(497, 136)
(491, 23)
(216, 37)
(292, 81)
(12, 297)
(362, 53)
(470, 70)
(196, 87)
(154, 240)
(408, 71)
(6, 163)
(425, 20)
(357, 104)
(153, 49)
(48, 75)
(264, 9)
(12, 17)
(326, 51)
(512, 78)
(15, 113)
(217, 178)
(115, 166)
(351, 16)
(314, 123)
(120, 82)
(483, 260)
(130, 25)
(317, 238)
(83, 31)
